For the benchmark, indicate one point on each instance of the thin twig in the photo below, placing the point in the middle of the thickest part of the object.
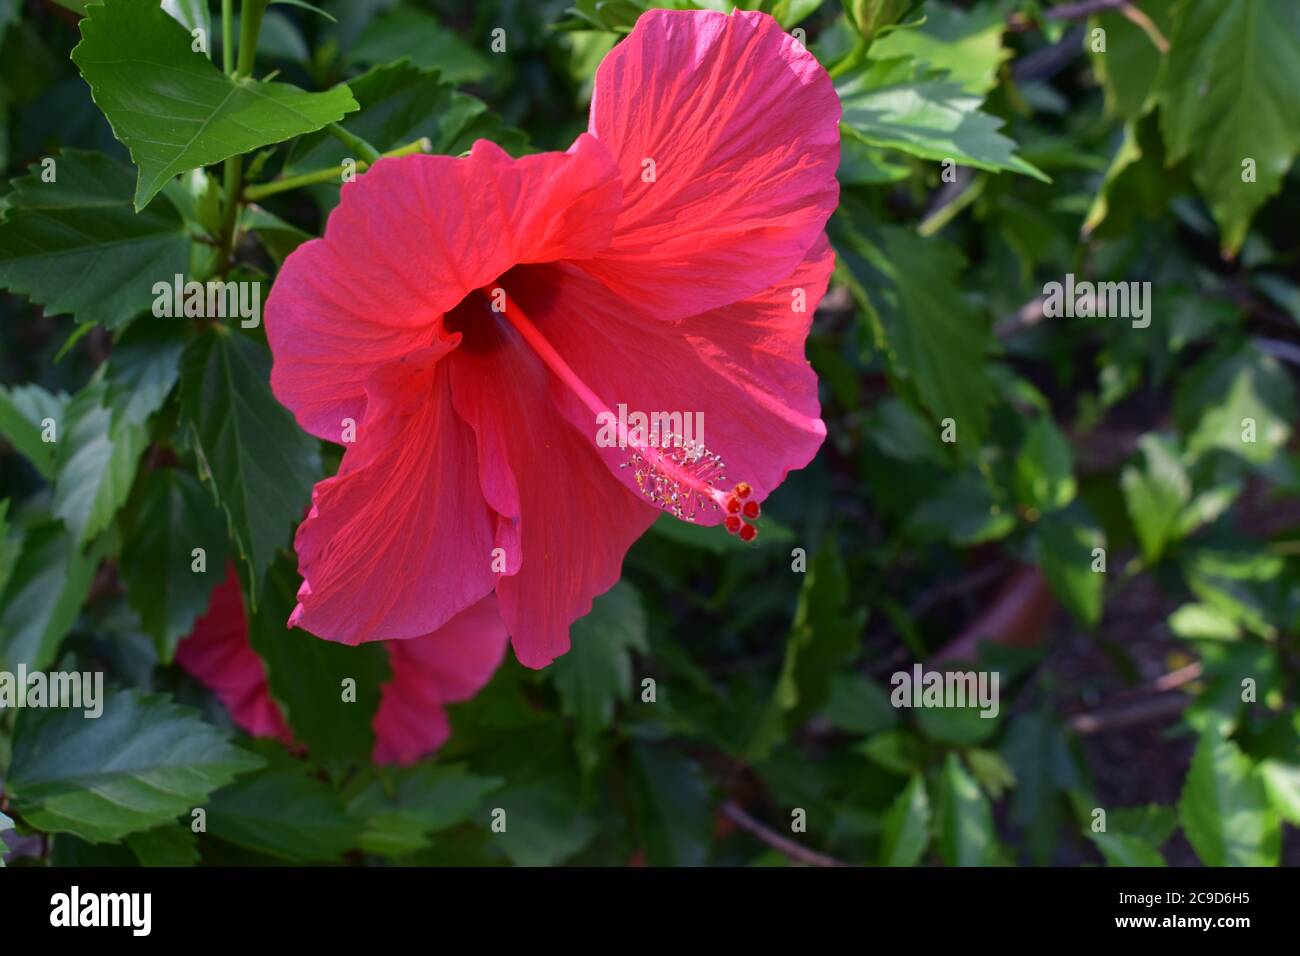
(260, 191)
(1287, 351)
(1147, 711)
(1085, 8)
(789, 848)
(1128, 713)
(1045, 63)
(1175, 679)
(1146, 25)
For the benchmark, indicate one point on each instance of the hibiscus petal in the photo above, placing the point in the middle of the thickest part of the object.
(575, 524)
(411, 238)
(450, 665)
(742, 125)
(399, 541)
(218, 655)
(741, 367)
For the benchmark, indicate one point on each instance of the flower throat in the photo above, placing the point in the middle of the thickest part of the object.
(686, 480)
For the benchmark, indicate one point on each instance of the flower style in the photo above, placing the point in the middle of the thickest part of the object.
(472, 319)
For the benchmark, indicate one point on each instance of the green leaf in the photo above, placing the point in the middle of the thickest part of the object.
(1151, 823)
(142, 762)
(1155, 493)
(413, 33)
(858, 705)
(1227, 96)
(965, 45)
(614, 15)
(1064, 543)
(1046, 770)
(963, 511)
(198, 197)
(279, 39)
(1246, 585)
(23, 410)
(863, 165)
(936, 339)
(905, 830)
(143, 368)
(303, 5)
(898, 751)
(1279, 290)
(790, 12)
(597, 671)
(1227, 665)
(97, 463)
(1138, 184)
(8, 16)
(171, 845)
(883, 105)
(1122, 849)
(5, 824)
(305, 675)
(400, 103)
(1045, 468)
(261, 463)
(957, 726)
(277, 236)
(1282, 781)
(546, 821)
(1239, 400)
(824, 639)
(400, 809)
(192, 15)
(76, 246)
(673, 809)
(991, 771)
(873, 18)
(171, 516)
(1130, 63)
(699, 538)
(1225, 809)
(10, 548)
(964, 825)
(46, 589)
(1203, 622)
(283, 812)
(134, 53)
(70, 851)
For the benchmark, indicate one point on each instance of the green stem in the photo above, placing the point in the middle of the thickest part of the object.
(852, 59)
(250, 24)
(227, 36)
(360, 148)
(946, 214)
(234, 176)
(261, 191)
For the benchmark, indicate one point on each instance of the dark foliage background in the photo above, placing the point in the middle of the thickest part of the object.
(1148, 702)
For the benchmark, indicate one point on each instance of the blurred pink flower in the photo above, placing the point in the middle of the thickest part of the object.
(427, 673)
(471, 318)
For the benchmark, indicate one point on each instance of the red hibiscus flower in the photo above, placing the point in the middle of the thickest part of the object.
(427, 673)
(474, 320)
